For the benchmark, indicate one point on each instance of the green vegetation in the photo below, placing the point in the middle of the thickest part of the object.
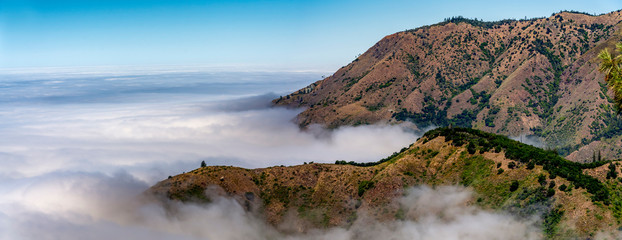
(608, 123)
(278, 192)
(364, 186)
(387, 84)
(612, 173)
(616, 199)
(432, 115)
(551, 221)
(327, 195)
(476, 22)
(476, 169)
(431, 112)
(611, 66)
(375, 107)
(192, 193)
(488, 56)
(514, 186)
(551, 95)
(412, 64)
(549, 160)
(369, 164)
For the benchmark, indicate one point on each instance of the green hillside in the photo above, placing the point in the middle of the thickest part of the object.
(571, 199)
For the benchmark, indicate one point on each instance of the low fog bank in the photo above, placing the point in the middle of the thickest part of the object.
(152, 142)
(102, 207)
(77, 175)
(153, 123)
(77, 149)
(530, 140)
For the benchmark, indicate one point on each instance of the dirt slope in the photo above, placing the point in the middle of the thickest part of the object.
(534, 76)
(323, 195)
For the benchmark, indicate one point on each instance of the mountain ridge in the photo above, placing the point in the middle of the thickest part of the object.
(512, 77)
(505, 175)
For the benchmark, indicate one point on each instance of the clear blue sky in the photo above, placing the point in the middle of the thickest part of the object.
(294, 34)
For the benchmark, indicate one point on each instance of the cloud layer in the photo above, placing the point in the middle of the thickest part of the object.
(79, 149)
(100, 207)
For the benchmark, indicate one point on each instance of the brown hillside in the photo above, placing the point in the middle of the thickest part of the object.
(510, 77)
(324, 195)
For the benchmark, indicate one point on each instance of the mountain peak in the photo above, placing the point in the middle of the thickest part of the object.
(512, 77)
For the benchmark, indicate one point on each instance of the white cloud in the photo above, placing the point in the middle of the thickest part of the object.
(112, 139)
(101, 207)
(75, 169)
(531, 140)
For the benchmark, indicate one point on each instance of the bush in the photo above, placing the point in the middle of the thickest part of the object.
(541, 179)
(471, 148)
(612, 174)
(364, 186)
(551, 219)
(531, 165)
(514, 186)
(550, 192)
(511, 165)
(562, 187)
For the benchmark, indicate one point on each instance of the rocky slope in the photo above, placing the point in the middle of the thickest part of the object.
(572, 199)
(535, 77)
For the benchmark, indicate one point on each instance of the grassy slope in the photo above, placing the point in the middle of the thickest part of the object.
(331, 194)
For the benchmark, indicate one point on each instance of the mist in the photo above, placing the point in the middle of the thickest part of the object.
(79, 148)
(108, 209)
(530, 140)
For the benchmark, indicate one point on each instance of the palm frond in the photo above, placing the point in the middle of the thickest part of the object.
(607, 63)
(611, 67)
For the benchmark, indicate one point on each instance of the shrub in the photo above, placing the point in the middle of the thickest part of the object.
(562, 187)
(541, 179)
(511, 165)
(513, 186)
(531, 165)
(550, 192)
(612, 172)
(364, 186)
(471, 148)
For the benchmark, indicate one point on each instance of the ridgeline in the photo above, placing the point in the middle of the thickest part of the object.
(572, 199)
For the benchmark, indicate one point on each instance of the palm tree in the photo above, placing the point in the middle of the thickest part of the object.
(611, 66)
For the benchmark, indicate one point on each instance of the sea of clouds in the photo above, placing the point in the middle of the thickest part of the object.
(78, 147)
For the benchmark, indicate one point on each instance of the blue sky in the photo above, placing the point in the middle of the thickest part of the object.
(301, 35)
